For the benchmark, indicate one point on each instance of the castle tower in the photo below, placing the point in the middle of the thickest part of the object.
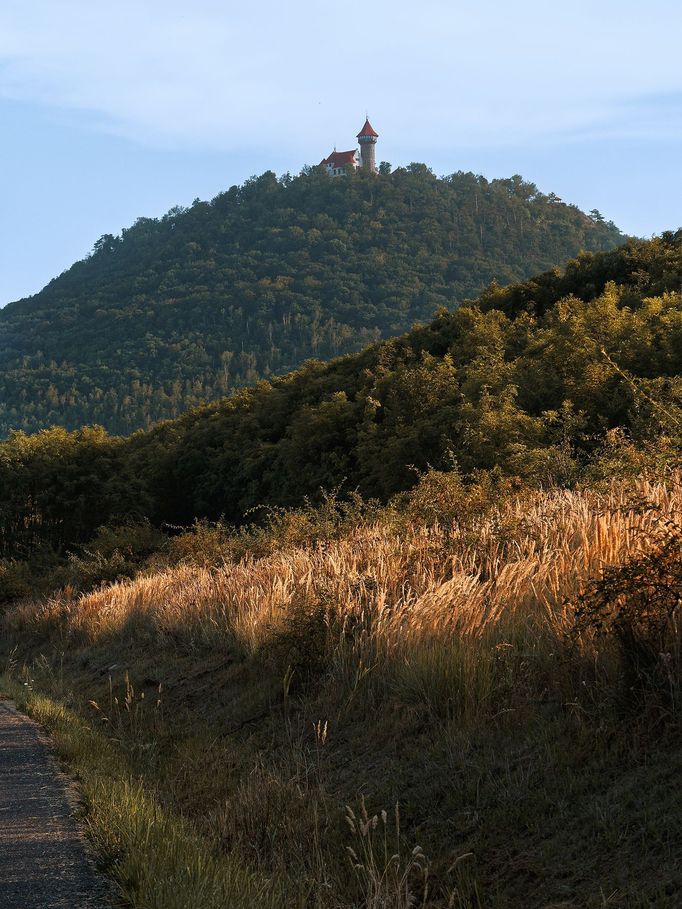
(367, 137)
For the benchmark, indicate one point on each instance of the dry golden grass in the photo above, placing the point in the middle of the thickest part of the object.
(525, 558)
(433, 664)
(388, 594)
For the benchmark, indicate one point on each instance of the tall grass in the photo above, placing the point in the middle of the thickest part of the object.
(442, 614)
(155, 858)
(469, 643)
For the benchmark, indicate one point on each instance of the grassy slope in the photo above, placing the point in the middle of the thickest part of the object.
(432, 666)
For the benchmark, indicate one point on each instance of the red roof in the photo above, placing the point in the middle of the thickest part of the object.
(368, 130)
(340, 159)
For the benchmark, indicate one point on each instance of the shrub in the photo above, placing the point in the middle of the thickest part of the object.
(299, 650)
(639, 603)
(112, 554)
(15, 580)
(206, 543)
(445, 497)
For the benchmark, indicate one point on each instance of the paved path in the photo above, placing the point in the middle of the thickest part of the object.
(44, 862)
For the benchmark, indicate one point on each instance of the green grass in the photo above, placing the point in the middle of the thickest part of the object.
(195, 810)
(157, 860)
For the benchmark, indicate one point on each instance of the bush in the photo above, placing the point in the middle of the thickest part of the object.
(619, 457)
(299, 650)
(211, 544)
(15, 580)
(446, 497)
(113, 553)
(639, 604)
(206, 543)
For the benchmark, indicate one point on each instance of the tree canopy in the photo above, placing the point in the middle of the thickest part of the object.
(527, 381)
(187, 308)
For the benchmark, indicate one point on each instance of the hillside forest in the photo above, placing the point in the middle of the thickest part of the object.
(402, 630)
(184, 309)
(528, 381)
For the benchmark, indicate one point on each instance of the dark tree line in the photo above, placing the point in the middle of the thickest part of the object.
(526, 381)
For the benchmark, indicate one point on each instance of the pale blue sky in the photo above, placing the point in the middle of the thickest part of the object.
(112, 111)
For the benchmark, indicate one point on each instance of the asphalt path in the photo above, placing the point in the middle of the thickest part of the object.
(44, 859)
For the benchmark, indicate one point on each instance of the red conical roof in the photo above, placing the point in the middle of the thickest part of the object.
(368, 130)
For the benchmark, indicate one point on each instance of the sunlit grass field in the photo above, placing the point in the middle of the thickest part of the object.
(479, 710)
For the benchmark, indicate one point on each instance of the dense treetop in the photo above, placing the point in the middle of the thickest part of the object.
(184, 309)
(526, 382)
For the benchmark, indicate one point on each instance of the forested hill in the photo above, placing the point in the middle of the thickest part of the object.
(525, 383)
(184, 309)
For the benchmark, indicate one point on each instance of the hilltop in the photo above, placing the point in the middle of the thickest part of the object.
(184, 309)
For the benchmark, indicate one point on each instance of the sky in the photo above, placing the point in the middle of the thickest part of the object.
(109, 112)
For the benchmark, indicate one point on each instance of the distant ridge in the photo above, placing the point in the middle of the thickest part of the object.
(186, 308)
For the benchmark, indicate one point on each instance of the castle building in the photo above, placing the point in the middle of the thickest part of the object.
(339, 162)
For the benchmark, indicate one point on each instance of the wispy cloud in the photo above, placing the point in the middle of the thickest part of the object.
(221, 75)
